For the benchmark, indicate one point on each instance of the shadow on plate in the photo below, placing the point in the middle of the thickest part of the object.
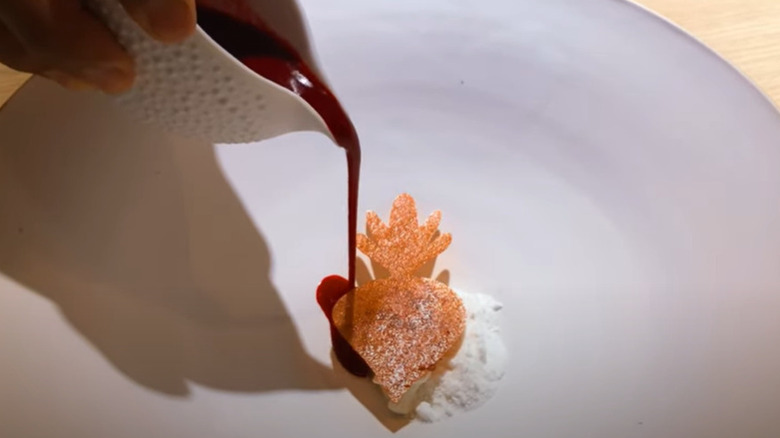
(147, 252)
(145, 249)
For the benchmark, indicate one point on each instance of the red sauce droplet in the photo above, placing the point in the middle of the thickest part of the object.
(246, 38)
(328, 293)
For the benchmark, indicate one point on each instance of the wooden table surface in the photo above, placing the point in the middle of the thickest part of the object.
(746, 32)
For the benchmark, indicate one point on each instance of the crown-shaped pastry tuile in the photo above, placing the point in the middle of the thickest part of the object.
(402, 326)
(402, 246)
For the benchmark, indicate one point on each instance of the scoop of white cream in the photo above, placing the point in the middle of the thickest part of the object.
(470, 375)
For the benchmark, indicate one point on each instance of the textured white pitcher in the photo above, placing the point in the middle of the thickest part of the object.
(196, 89)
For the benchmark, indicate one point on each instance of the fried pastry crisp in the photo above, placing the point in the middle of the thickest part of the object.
(402, 325)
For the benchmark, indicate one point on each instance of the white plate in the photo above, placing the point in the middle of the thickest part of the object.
(613, 182)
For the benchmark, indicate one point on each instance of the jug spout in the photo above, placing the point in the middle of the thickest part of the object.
(210, 87)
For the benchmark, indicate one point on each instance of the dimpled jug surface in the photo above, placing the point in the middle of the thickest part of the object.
(196, 89)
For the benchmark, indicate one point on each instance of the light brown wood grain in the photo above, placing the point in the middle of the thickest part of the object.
(10, 81)
(745, 32)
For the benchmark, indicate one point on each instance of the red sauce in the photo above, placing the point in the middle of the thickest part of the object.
(240, 32)
(328, 293)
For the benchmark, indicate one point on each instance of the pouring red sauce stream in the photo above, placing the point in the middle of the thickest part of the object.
(240, 32)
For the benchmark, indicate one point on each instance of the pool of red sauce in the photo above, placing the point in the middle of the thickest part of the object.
(240, 32)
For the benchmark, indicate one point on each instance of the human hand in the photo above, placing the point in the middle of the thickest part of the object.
(65, 42)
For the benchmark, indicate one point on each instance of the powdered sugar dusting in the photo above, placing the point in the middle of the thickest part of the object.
(472, 374)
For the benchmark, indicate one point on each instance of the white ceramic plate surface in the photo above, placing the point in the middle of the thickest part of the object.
(611, 181)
